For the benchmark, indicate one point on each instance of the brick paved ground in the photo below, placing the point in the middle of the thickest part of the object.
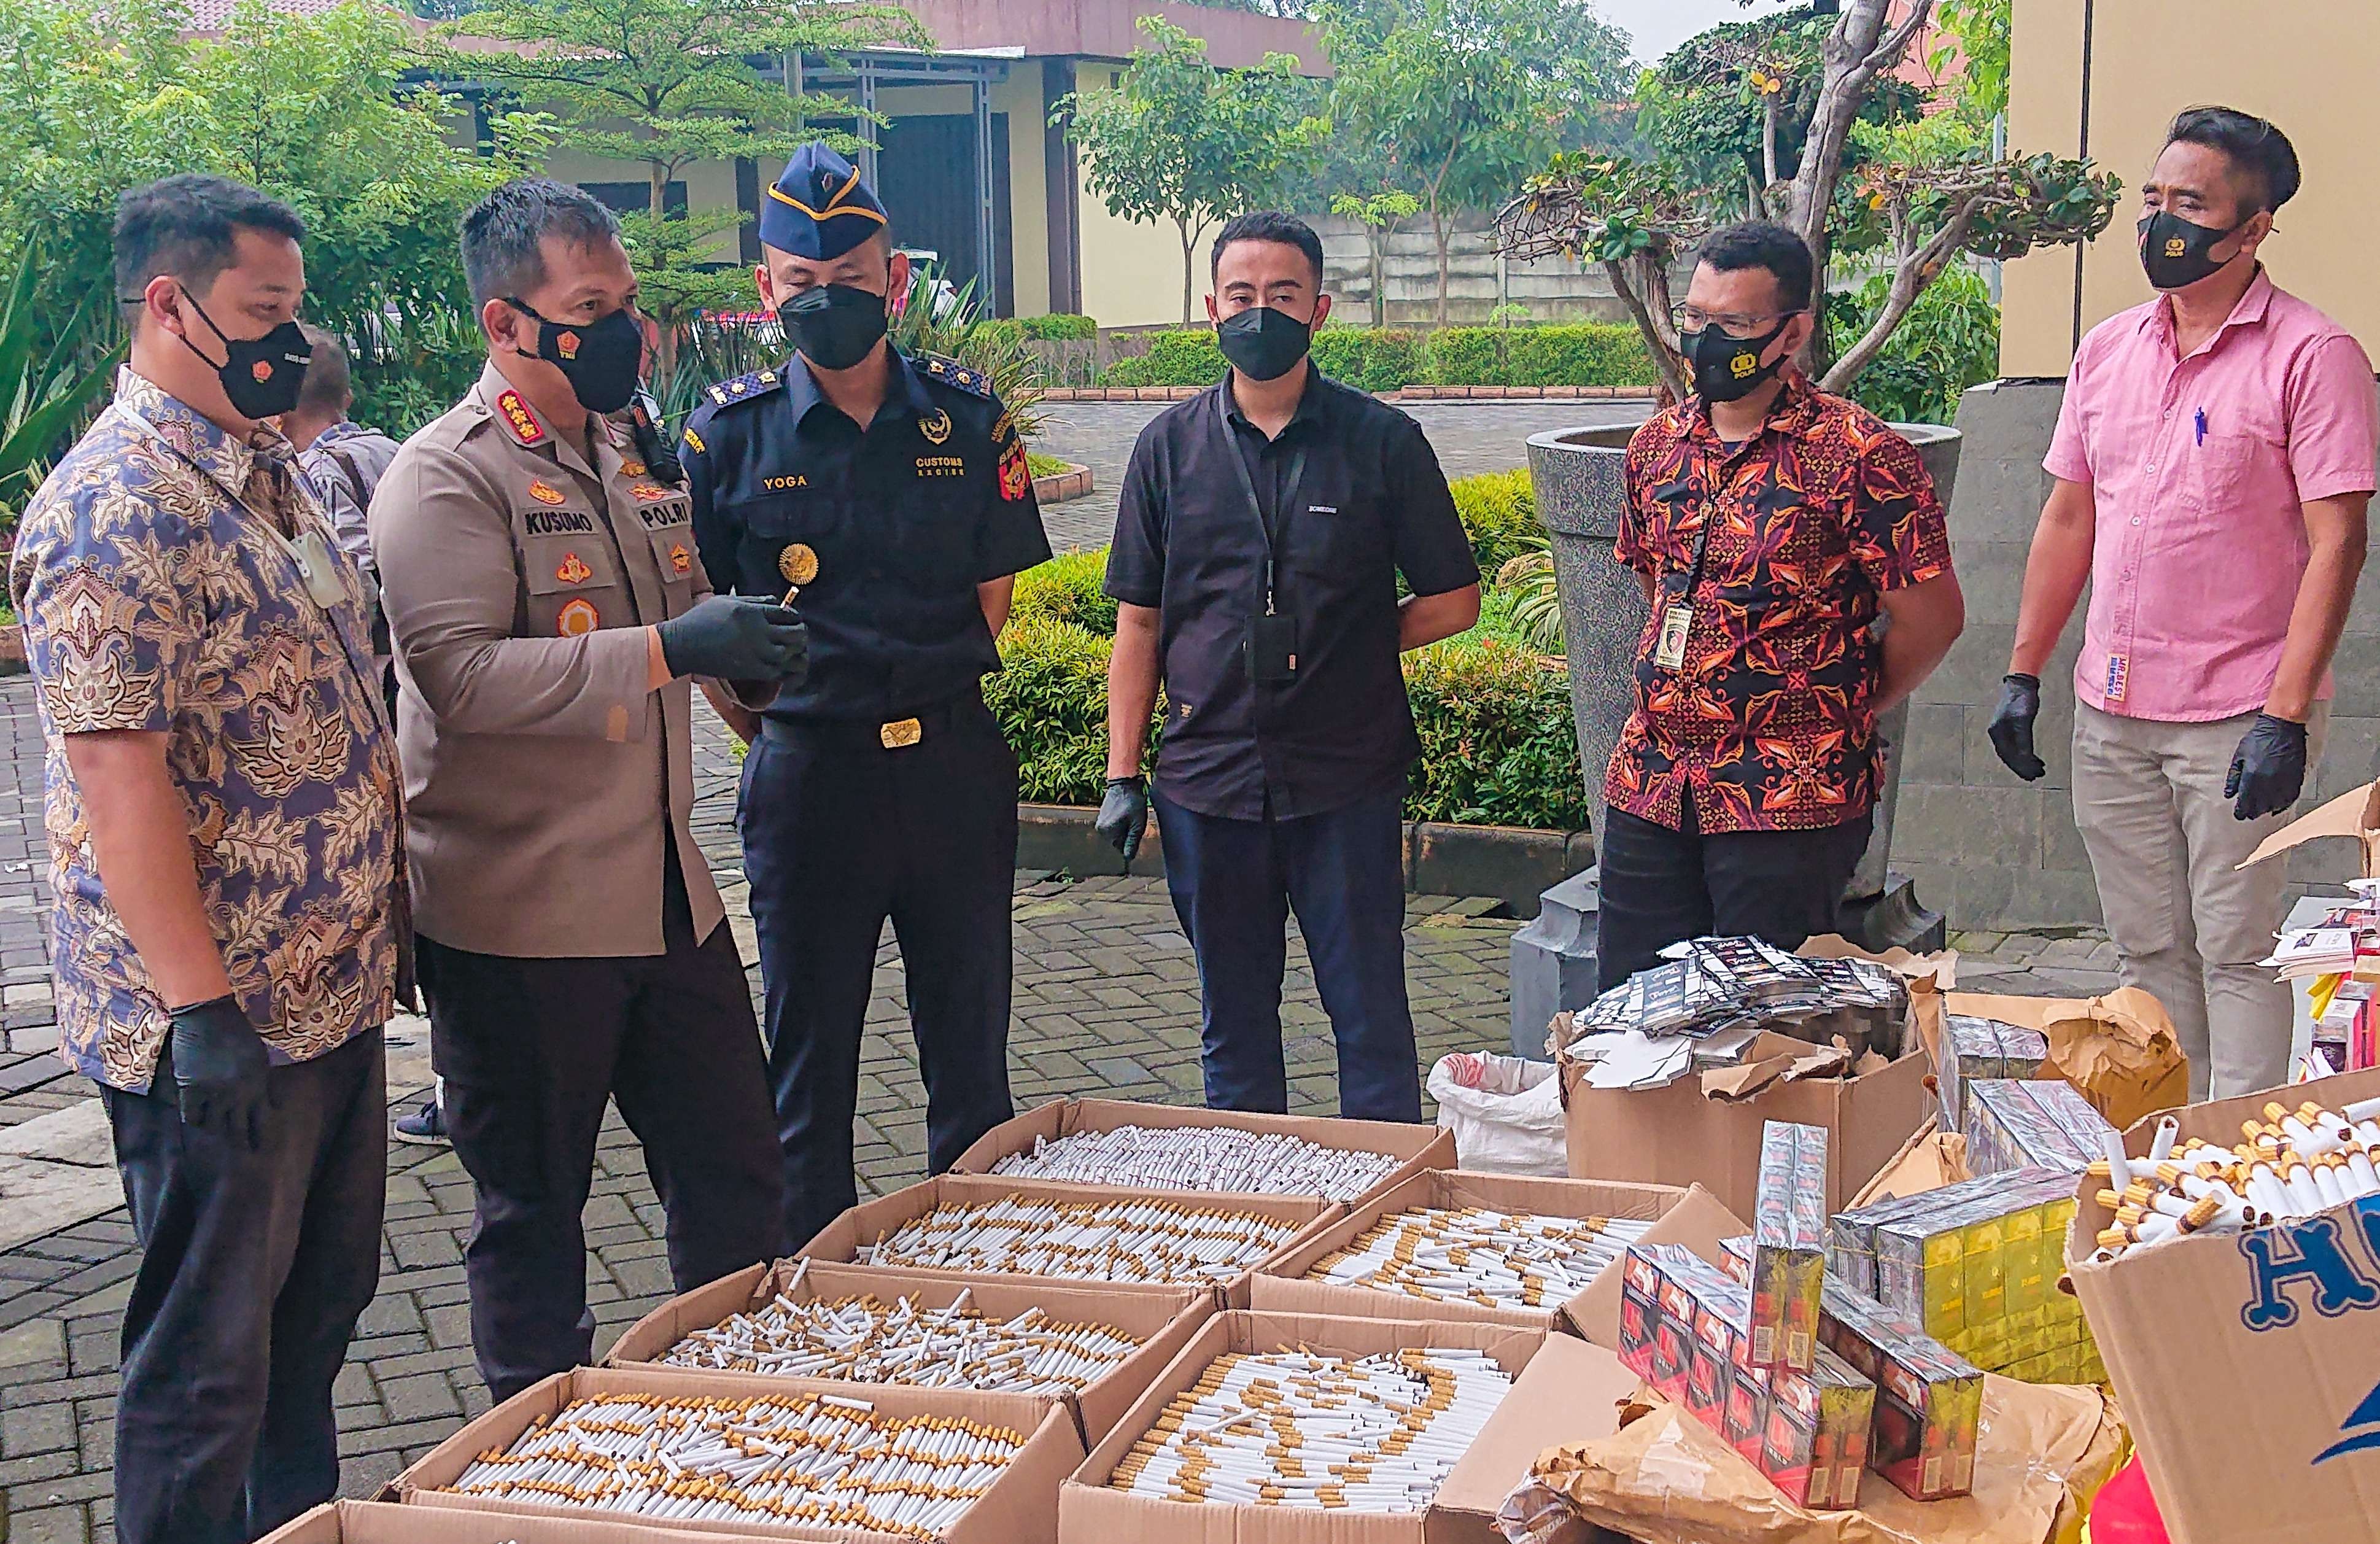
(1468, 437)
(1106, 1003)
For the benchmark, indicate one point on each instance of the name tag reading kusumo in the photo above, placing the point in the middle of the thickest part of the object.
(1669, 653)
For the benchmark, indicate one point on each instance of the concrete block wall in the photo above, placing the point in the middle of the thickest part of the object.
(1989, 851)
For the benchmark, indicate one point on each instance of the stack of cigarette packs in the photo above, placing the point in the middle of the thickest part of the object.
(1684, 1329)
(1975, 1266)
(1975, 1049)
(2036, 1124)
(1789, 1246)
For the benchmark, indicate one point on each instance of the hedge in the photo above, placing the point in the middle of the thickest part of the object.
(1499, 513)
(1495, 723)
(1011, 330)
(1383, 359)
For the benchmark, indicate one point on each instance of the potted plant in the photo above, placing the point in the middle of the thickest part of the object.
(1871, 184)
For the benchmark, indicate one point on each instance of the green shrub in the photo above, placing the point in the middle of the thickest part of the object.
(1495, 723)
(1370, 358)
(1066, 589)
(1499, 514)
(1497, 743)
(999, 332)
(1572, 354)
(1467, 355)
(1059, 326)
(1177, 357)
(1949, 340)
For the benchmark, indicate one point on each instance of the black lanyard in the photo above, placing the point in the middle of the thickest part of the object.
(1275, 525)
(1709, 497)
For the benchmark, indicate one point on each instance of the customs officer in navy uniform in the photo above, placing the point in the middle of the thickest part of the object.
(892, 494)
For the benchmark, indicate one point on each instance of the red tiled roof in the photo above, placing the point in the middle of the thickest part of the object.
(214, 15)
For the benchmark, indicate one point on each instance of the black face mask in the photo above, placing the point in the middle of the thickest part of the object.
(1264, 344)
(1726, 367)
(600, 359)
(261, 376)
(834, 326)
(2175, 251)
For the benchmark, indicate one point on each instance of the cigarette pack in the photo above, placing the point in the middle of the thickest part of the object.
(1975, 1265)
(1789, 1246)
(1817, 1433)
(1735, 1257)
(1929, 1400)
(2040, 1123)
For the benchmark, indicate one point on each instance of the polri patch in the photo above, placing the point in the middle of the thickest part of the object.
(574, 569)
(544, 492)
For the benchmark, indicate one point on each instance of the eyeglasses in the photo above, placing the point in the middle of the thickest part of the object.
(1735, 325)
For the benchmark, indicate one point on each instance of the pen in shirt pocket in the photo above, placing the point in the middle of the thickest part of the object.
(2202, 426)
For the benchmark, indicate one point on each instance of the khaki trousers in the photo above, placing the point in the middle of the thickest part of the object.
(2189, 923)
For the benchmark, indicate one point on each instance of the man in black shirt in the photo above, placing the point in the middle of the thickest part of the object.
(1262, 529)
(894, 494)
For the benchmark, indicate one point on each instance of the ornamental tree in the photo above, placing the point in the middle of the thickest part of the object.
(1180, 141)
(1909, 197)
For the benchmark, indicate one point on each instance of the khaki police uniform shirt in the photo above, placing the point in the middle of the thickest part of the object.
(543, 780)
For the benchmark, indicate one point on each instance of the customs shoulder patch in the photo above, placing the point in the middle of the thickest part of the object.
(690, 437)
(1016, 476)
(524, 423)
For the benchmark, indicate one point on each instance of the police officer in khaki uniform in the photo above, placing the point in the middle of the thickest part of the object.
(548, 606)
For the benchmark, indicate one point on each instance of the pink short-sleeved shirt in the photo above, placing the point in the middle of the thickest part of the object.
(2200, 468)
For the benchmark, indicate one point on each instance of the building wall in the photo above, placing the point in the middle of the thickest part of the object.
(2308, 65)
(1131, 271)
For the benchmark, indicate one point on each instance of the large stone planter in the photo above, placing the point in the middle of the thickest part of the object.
(1577, 477)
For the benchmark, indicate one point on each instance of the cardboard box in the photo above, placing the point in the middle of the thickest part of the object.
(1019, 1508)
(1677, 1215)
(1420, 1147)
(1161, 1319)
(377, 1523)
(2120, 1049)
(1566, 1391)
(2247, 1364)
(839, 1240)
(1706, 1129)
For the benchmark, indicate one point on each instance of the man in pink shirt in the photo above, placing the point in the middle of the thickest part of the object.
(2213, 459)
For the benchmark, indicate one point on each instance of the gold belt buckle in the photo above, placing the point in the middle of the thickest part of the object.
(901, 733)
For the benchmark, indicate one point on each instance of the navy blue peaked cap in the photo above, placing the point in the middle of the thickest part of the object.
(819, 209)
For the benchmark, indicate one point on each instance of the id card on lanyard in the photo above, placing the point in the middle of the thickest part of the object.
(1270, 645)
(1678, 616)
(309, 550)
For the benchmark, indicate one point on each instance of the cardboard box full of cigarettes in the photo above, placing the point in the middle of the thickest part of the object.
(1529, 1249)
(1018, 1504)
(1130, 1336)
(989, 1227)
(2246, 1361)
(1706, 1128)
(1159, 1478)
(379, 1523)
(1147, 1146)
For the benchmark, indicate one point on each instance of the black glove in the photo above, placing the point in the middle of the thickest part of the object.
(218, 1067)
(1124, 815)
(737, 637)
(2268, 770)
(2011, 728)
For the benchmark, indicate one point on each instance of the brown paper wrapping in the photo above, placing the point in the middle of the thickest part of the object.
(1664, 1478)
(1928, 1161)
(2118, 1050)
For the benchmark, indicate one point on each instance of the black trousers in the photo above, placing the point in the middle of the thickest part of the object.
(1660, 886)
(1233, 883)
(530, 1050)
(841, 834)
(254, 1267)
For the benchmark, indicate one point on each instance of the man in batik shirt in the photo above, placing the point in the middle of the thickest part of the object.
(1771, 526)
(224, 849)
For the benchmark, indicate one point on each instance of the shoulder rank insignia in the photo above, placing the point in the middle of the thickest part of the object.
(525, 426)
(690, 437)
(953, 374)
(744, 388)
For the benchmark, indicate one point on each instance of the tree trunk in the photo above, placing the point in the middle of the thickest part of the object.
(657, 205)
(1656, 343)
(1375, 238)
(1188, 241)
(1442, 229)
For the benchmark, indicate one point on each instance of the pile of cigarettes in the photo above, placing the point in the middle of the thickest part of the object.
(1975, 1049)
(1495, 1259)
(1296, 1430)
(865, 1340)
(2292, 1164)
(1202, 1157)
(819, 1460)
(2038, 1122)
(1093, 1241)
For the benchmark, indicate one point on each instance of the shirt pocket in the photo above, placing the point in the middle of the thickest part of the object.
(2227, 469)
(787, 532)
(573, 585)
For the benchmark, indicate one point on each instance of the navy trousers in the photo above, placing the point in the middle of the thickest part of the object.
(253, 1268)
(841, 834)
(1234, 883)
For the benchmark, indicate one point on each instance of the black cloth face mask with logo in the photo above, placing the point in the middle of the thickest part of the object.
(834, 326)
(261, 376)
(1726, 367)
(2176, 251)
(1262, 342)
(600, 361)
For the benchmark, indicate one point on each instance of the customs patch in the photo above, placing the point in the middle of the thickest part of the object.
(1016, 476)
